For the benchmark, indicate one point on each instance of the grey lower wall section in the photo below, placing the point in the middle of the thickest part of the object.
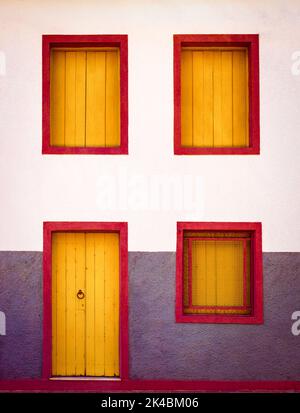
(160, 348)
(21, 301)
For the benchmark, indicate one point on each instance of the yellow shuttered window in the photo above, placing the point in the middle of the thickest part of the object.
(214, 96)
(85, 97)
(85, 304)
(217, 273)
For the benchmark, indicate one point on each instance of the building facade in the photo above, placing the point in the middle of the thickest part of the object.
(149, 172)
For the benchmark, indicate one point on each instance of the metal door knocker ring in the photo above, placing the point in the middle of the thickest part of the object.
(80, 294)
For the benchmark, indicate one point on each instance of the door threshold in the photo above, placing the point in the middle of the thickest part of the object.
(87, 378)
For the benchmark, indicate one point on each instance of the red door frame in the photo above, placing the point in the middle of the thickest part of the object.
(49, 227)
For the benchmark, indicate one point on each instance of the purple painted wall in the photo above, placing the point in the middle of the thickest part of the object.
(160, 348)
(21, 301)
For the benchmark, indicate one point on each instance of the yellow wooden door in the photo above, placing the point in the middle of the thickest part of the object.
(85, 304)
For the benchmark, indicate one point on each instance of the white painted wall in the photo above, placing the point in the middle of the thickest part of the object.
(35, 188)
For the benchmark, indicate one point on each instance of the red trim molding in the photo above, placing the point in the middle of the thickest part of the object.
(120, 41)
(251, 41)
(121, 228)
(147, 385)
(256, 316)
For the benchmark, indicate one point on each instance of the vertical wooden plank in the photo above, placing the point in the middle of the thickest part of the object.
(248, 266)
(115, 259)
(185, 274)
(186, 98)
(199, 273)
(222, 270)
(57, 98)
(217, 98)
(70, 109)
(112, 105)
(90, 304)
(199, 109)
(226, 98)
(240, 98)
(238, 273)
(61, 304)
(80, 304)
(70, 304)
(208, 104)
(99, 306)
(211, 297)
(80, 90)
(111, 318)
(54, 302)
(230, 273)
(95, 99)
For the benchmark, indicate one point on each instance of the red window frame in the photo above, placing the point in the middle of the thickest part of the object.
(256, 316)
(121, 41)
(48, 228)
(251, 41)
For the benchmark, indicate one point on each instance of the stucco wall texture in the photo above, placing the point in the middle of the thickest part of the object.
(160, 348)
(21, 301)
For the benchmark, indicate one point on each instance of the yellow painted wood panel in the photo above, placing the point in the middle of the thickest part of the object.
(111, 303)
(59, 304)
(70, 99)
(90, 304)
(240, 100)
(70, 305)
(248, 269)
(217, 111)
(80, 315)
(211, 277)
(197, 115)
(229, 273)
(226, 98)
(208, 91)
(218, 275)
(115, 260)
(187, 98)
(95, 99)
(54, 303)
(185, 273)
(112, 104)
(99, 309)
(199, 276)
(85, 338)
(214, 97)
(80, 99)
(85, 97)
(57, 98)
